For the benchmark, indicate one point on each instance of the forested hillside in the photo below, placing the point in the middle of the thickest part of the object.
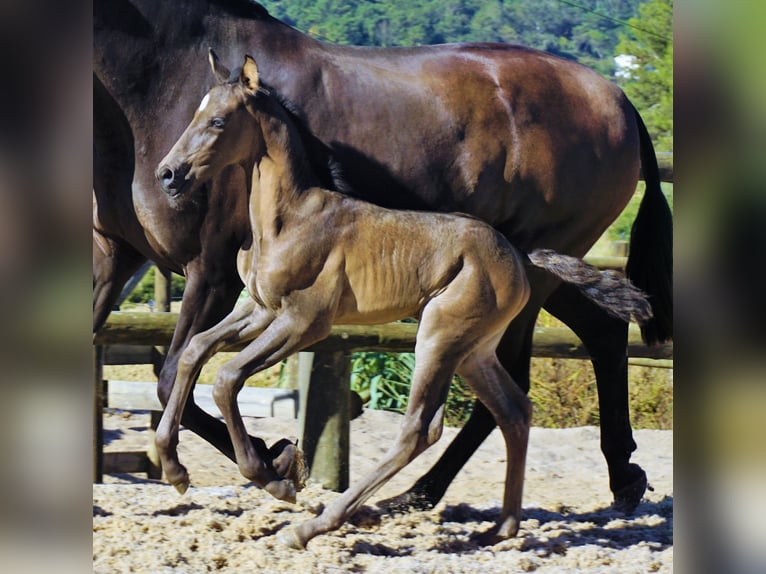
(591, 32)
(586, 30)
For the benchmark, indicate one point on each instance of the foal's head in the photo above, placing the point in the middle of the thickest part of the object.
(221, 133)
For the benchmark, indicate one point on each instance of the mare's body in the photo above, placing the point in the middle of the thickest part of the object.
(543, 149)
(317, 258)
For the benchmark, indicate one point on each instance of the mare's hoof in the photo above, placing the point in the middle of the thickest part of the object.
(626, 499)
(407, 501)
(289, 463)
(289, 537)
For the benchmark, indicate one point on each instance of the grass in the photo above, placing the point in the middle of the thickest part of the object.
(563, 392)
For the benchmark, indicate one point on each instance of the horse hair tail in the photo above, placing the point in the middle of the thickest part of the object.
(610, 290)
(650, 263)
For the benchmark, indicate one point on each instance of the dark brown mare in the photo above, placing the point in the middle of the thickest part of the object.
(317, 257)
(543, 149)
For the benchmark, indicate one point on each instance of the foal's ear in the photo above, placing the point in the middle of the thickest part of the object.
(249, 75)
(220, 71)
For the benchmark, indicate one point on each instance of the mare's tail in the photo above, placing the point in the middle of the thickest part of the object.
(650, 263)
(610, 290)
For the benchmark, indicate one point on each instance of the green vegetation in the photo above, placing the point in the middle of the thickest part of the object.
(383, 382)
(584, 30)
(144, 291)
(649, 39)
(563, 392)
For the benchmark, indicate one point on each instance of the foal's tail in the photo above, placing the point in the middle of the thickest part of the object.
(610, 290)
(650, 264)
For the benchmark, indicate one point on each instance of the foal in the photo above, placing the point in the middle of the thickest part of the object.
(316, 258)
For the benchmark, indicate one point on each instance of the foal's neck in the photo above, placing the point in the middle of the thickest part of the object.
(282, 174)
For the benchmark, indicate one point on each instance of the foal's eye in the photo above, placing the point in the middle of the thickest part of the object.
(217, 123)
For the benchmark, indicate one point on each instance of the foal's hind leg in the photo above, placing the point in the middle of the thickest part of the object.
(513, 411)
(606, 337)
(435, 363)
(514, 350)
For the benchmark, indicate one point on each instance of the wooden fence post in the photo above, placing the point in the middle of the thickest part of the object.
(324, 417)
(291, 378)
(162, 281)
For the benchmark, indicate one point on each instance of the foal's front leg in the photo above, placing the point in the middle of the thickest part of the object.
(244, 322)
(284, 336)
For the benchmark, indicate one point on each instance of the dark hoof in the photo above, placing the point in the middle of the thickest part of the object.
(356, 405)
(413, 499)
(627, 498)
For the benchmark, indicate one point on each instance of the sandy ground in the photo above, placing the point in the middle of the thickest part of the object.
(223, 524)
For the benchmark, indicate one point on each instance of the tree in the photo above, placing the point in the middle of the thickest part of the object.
(649, 84)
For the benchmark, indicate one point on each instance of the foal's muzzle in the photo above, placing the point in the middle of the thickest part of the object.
(171, 180)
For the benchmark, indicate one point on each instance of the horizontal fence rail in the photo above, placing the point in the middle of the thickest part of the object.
(665, 165)
(141, 328)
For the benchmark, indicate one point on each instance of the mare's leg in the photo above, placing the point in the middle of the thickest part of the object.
(606, 338)
(244, 322)
(114, 262)
(285, 335)
(204, 305)
(512, 410)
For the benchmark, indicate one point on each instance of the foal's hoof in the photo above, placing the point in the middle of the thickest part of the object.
(182, 487)
(179, 479)
(288, 462)
(498, 533)
(282, 490)
(626, 499)
(289, 537)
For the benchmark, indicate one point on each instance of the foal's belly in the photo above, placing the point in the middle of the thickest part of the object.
(360, 306)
